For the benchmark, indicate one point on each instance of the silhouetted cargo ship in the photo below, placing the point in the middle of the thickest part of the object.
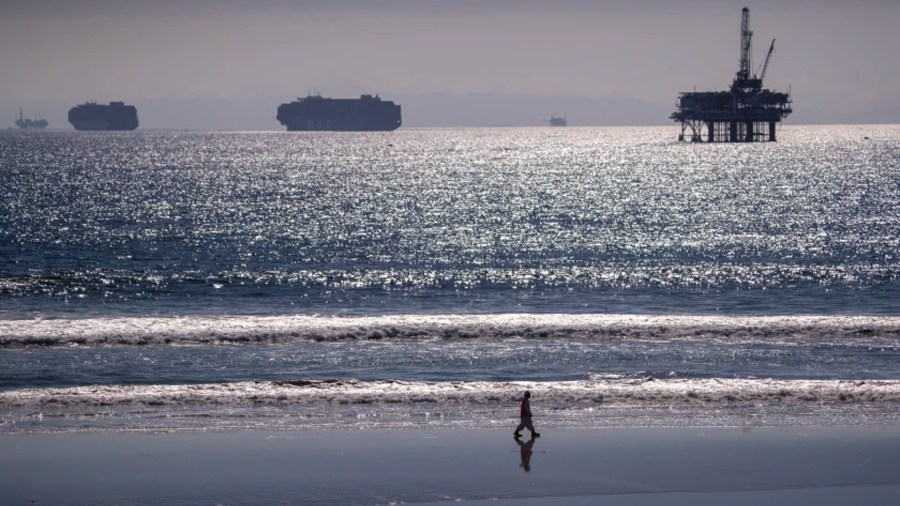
(30, 124)
(366, 113)
(115, 116)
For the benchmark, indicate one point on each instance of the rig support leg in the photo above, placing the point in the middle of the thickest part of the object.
(749, 132)
(732, 132)
(771, 131)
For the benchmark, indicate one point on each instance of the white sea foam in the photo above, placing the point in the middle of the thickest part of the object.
(286, 329)
(356, 404)
(647, 392)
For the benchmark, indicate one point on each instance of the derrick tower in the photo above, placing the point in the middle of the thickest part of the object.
(746, 112)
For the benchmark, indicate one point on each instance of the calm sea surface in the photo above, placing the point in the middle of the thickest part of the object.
(168, 279)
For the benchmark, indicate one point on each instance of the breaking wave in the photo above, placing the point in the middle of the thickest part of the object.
(291, 329)
(353, 404)
(593, 390)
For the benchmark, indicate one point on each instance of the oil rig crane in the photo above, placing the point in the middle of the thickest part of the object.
(746, 112)
(765, 67)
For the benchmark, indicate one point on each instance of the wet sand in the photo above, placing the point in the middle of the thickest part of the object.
(567, 467)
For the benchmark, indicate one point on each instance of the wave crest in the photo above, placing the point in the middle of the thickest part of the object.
(647, 392)
(288, 329)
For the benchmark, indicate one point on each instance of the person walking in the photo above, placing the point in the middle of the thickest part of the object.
(525, 413)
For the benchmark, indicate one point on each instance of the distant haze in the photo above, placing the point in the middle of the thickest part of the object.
(227, 64)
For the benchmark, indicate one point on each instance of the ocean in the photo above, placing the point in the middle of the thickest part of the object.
(187, 280)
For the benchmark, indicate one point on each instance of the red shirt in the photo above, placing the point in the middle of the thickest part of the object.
(526, 407)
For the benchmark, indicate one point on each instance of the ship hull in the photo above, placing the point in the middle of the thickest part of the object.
(301, 125)
(99, 125)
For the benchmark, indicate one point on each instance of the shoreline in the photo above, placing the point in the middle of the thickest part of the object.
(621, 465)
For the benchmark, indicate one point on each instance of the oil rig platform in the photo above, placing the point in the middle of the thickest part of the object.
(745, 113)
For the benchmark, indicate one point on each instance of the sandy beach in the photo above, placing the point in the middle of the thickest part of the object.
(615, 466)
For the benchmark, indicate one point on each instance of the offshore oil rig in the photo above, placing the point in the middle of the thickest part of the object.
(745, 113)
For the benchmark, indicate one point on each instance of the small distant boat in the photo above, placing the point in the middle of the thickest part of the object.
(30, 124)
(559, 121)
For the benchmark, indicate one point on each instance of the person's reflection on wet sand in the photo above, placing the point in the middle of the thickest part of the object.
(525, 453)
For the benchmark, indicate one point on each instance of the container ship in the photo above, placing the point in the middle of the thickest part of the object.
(558, 121)
(115, 116)
(366, 113)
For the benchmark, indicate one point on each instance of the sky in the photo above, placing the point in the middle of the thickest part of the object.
(229, 63)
